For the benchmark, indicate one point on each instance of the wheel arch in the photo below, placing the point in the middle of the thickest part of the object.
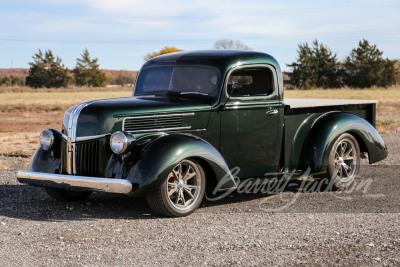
(159, 157)
(327, 129)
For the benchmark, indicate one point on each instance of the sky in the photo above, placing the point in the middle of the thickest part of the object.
(121, 32)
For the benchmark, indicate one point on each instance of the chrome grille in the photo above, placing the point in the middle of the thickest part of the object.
(87, 158)
(155, 123)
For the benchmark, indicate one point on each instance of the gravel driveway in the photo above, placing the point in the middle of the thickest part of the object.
(358, 228)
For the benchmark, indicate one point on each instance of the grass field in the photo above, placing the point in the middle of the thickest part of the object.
(25, 112)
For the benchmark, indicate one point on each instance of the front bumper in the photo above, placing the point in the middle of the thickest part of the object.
(121, 186)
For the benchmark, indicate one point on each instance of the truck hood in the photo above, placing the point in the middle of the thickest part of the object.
(106, 116)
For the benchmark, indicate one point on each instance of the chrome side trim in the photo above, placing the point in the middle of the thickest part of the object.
(159, 116)
(161, 129)
(91, 137)
(121, 186)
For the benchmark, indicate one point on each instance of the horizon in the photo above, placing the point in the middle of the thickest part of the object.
(120, 33)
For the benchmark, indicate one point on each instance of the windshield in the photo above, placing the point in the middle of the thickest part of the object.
(197, 81)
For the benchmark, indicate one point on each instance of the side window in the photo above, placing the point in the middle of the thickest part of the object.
(253, 81)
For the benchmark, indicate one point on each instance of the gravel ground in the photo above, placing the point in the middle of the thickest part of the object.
(357, 228)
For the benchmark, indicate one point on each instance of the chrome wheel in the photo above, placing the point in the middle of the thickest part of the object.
(345, 160)
(184, 185)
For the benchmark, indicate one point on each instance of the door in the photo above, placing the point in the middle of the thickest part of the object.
(251, 122)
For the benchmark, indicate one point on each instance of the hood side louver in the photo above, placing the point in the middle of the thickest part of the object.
(155, 123)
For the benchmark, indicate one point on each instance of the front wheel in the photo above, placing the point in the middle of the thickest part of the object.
(344, 162)
(182, 191)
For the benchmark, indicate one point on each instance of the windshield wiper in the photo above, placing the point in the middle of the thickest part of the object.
(193, 93)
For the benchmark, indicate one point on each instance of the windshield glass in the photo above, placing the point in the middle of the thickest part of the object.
(178, 80)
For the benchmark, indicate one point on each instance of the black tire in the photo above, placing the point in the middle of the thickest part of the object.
(179, 195)
(344, 162)
(67, 195)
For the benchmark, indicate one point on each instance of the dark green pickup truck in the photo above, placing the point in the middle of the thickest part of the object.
(192, 118)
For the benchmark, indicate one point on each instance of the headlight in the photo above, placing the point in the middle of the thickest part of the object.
(46, 139)
(119, 142)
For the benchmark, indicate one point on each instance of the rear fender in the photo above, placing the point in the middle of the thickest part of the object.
(328, 128)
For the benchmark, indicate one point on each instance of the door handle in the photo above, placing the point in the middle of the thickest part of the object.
(272, 112)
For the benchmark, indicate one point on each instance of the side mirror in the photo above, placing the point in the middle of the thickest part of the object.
(235, 87)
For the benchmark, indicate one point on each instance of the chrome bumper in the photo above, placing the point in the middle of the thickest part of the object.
(75, 182)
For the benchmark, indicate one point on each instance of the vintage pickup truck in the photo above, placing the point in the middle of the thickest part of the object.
(193, 117)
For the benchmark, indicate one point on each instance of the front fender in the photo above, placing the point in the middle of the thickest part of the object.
(159, 157)
(44, 161)
(328, 128)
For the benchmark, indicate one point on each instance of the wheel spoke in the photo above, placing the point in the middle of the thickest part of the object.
(172, 191)
(347, 169)
(189, 192)
(182, 197)
(347, 154)
(343, 150)
(189, 174)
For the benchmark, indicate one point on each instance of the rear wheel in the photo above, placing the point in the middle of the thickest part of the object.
(344, 162)
(182, 191)
(67, 195)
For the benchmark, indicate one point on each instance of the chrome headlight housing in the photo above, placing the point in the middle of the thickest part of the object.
(46, 139)
(119, 142)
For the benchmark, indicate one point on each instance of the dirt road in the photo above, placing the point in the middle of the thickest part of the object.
(361, 227)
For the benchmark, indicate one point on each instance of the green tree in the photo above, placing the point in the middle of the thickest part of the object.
(315, 66)
(365, 67)
(165, 50)
(87, 71)
(46, 70)
(12, 80)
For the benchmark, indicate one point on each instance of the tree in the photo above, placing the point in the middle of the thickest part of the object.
(165, 50)
(46, 70)
(123, 78)
(397, 75)
(365, 67)
(12, 80)
(315, 66)
(87, 71)
(228, 44)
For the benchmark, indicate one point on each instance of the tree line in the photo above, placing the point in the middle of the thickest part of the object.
(47, 70)
(316, 66)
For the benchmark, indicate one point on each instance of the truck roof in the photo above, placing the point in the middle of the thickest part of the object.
(223, 59)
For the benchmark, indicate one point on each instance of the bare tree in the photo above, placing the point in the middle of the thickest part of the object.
(225, 44)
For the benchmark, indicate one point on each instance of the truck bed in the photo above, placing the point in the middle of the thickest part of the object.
(298, 111)
(309, 103)
(365, 109)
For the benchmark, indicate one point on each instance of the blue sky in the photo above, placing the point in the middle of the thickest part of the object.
(121, 32)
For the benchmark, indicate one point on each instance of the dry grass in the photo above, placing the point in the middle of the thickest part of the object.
(53, 100)
(18, 144)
